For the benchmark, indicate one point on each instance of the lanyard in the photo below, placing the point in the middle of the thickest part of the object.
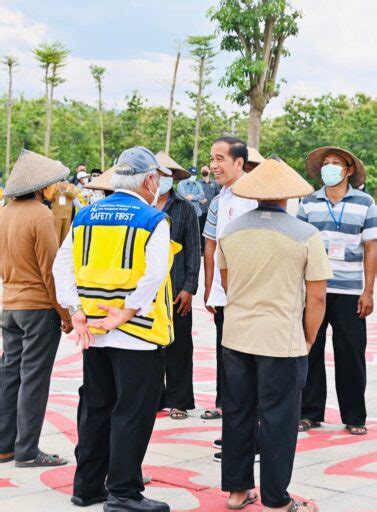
(338, 221)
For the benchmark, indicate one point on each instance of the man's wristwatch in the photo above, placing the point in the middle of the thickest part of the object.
(73, 309)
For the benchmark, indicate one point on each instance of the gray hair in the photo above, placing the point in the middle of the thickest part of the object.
(129, 182)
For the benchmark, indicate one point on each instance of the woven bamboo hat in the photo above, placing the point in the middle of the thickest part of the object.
(272, 180)
(103, 182)
(33, 172)
(314, 162)
(254, 156)
(179, 173)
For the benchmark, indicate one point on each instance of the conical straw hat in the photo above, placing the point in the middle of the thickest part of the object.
(272, 180)
(254, 156)
(179, 173)
(314, 162)
(33, 172)
(103, 182)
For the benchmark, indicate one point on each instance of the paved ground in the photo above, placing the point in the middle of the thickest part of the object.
(333, 467)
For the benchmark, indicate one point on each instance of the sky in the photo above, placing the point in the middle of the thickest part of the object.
(136, 41)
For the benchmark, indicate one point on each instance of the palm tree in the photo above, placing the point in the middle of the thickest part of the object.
(98, 73)
(10, 62)
(52, 57)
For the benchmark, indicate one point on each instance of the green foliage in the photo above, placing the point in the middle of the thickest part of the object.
(98, 72)
(257, 30)
(305, 125)
(51, 58)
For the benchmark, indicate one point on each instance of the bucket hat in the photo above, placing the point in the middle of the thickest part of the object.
(314, 162)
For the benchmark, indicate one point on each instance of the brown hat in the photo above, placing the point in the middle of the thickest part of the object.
(33, 172)
(272, 180)
(254, 156)
(314, 162)
(179, 173)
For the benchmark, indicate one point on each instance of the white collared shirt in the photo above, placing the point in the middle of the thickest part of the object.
(157, 253)
(228, 207)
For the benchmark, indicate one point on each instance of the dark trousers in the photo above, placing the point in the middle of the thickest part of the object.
(349, 342)
(275, 384)
(118, 406)
(219, 322)
(30, 343)
(202, 223)
(179, 389)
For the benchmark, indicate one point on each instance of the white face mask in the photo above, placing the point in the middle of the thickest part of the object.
(192, 178)
(155, 194)
(166, 184)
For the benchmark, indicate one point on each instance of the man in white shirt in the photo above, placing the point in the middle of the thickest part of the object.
(229, 156)
(108, 272)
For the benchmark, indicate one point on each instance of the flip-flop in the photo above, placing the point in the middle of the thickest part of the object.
(351, 430)
(42, 460)
(178, 414)
(211, 415)
(249, 500)
(308, 424)
(296, 506)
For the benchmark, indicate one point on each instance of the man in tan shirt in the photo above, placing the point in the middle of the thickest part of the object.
(32, 319)
(265, 257)
(61, 206)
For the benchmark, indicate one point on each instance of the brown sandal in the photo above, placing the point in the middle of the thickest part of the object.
(308, 424)
(178, 414)
(42, 460)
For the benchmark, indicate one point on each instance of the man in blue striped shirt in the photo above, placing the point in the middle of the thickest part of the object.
(347, 220)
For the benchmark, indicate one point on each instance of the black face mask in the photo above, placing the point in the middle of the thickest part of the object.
(205, 174)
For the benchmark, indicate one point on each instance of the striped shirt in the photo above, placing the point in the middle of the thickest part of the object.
(348, 230)
(211, 222)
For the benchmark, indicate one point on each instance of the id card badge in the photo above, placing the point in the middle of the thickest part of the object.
(62, 200)
(337, 250)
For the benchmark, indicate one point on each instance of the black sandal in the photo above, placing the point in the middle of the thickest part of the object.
(308, 424)
(42, 460)
(211, 415)
(357, 430)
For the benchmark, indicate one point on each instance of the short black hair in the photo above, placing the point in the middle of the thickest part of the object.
(31, 195)
(238, 148)
(95, 170)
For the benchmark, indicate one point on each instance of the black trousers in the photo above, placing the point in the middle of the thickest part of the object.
(202, 223)
(118, 406)
(179, 389)
(30, 342)
(275, 384)
(219, 322)
(349, 342)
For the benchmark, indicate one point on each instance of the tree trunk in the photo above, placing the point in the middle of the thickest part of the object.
(198, 113)
(171, 104)
(254, 127)
(102, 139)
(9, 124)
(48, 114)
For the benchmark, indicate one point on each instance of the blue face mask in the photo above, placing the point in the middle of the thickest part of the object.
(332, 174)
(165, 185)
(192, 178)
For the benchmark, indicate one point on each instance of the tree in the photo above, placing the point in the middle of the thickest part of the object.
(256, 29)
(10, 63)
(171, 104)
(52, 57)
(98, 73)
(202, 50)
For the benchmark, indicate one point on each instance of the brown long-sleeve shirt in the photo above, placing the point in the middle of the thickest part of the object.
(28, 245)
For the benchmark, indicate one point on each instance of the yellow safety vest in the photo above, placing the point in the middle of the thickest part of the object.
(109, 243)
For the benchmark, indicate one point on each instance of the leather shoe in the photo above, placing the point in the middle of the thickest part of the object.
(86, 502)
(114, 504)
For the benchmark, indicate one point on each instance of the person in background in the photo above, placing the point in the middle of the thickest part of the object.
(95, 195)
(95, 173)
(253, 160)
(32, 318)
(265, 256)
(191, 190)
(178, 394)
(83, 194)
(74, 179)
(347, 220)
(211, 189)
(62, 206)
